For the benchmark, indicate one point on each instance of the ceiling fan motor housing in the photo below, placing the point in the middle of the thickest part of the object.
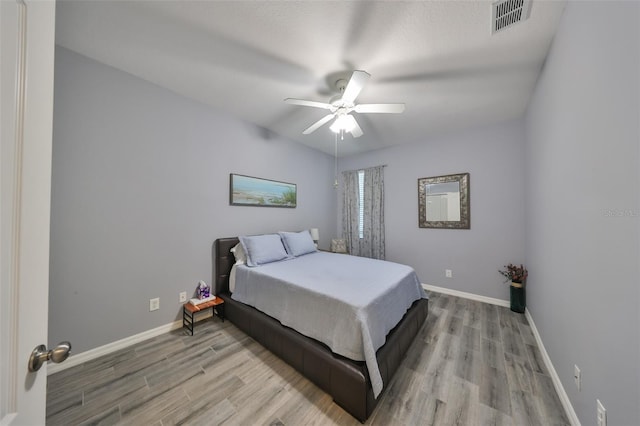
(341, 84)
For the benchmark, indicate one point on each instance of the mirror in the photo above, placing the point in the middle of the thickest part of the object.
(443, 202)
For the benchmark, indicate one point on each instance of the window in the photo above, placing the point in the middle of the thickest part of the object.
(363, 212)
(361, 203)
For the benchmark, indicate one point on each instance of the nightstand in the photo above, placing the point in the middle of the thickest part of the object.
(189, 312)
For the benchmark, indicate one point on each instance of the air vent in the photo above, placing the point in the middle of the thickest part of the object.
(505, 13)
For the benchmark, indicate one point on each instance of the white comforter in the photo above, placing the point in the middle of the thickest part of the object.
(349, 303)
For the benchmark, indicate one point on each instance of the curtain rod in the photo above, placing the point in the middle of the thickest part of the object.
(364, 168)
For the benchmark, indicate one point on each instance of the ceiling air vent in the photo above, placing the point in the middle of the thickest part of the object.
(505, 13)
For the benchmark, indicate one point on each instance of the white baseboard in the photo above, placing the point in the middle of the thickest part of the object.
(562, 394)
(77, 359)
(465, 295)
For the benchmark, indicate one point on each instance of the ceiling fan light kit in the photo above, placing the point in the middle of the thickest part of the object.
(341, 106)
(343, 123)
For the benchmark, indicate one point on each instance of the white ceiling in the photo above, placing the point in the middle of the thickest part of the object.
(245, 57)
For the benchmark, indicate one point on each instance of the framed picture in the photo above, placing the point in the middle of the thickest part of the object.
(252, 191)
(443, 202)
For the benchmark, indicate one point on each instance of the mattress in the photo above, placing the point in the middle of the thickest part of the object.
(348, 303)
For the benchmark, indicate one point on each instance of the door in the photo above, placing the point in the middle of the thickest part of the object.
(26, 115)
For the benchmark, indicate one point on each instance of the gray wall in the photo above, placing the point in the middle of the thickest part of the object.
(494, 157)
(583, 207)
(140, 191)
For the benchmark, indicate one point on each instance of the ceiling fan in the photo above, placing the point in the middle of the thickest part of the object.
(342, 105)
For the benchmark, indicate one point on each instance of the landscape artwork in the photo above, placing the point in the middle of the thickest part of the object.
(251, 191)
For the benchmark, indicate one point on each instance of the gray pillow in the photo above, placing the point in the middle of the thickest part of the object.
(298, 243)
(261, 249)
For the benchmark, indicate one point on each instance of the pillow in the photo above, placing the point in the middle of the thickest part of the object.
(298, 243)
(339, 246)
(239, 254)
(261, 249)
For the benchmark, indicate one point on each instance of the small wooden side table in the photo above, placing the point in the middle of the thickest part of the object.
(189, 312)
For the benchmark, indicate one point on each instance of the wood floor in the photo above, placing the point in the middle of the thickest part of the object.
(472, 364)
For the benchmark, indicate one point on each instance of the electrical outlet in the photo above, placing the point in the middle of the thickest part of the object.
(448, 273)
(183, 296)
(602, 414)
(577, 377)
(154, 304)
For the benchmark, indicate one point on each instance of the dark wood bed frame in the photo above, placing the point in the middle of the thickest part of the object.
(347, 381)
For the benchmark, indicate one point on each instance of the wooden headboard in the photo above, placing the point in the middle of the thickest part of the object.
(224, 260)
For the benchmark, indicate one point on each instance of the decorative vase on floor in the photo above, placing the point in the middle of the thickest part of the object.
(518, 297)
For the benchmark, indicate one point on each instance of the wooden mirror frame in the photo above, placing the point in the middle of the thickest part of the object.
(465, 212)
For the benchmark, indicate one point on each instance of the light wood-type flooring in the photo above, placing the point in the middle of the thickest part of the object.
(472, 364)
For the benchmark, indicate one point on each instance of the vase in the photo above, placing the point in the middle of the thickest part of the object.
(518, 297)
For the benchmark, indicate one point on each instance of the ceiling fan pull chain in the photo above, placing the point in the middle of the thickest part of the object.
(335, 162)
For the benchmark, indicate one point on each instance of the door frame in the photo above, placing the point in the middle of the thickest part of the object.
(27, 56)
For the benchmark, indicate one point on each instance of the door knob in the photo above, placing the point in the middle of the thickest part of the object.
(40, 355)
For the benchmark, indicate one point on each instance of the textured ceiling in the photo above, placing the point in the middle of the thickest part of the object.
(245, 57)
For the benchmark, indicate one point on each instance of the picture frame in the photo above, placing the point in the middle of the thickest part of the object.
(260, 192)
(443, 202)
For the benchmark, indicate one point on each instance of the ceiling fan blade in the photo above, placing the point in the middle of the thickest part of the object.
(380, 108)
(318, 124)
(355, 85)
(356, 131)
(303, 102)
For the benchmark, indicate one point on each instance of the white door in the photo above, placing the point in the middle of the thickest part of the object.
(26, 115)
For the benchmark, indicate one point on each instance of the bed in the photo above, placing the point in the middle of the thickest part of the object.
(346, 380)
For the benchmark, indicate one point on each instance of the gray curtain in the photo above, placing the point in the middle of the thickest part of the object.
(350, 208)
(373, 242)
(372, 245)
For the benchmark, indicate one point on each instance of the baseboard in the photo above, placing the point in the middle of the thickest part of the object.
(77, 359)
(465, 295)
(562, 394)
